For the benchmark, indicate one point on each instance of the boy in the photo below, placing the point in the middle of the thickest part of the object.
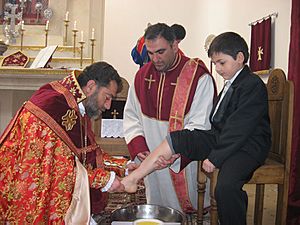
(240, 137)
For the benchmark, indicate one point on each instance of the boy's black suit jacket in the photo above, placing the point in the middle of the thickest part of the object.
(242, 120)
(240, 124)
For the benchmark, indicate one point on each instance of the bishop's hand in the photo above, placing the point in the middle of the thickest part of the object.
(116, 186)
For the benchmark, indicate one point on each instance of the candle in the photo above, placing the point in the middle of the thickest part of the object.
(22, 25)
(67, 16)
(75, 27)
(81, 36)
(93, 33)
(47, 25)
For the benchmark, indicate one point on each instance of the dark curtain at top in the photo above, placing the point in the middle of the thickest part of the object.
(294, 75)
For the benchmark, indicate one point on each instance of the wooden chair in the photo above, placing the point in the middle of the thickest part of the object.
(276, 169)
(113, 146)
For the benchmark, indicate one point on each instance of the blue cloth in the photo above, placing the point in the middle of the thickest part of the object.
(139, 53)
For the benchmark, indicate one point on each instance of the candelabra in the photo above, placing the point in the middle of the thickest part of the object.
(74, 41)
(46, 37)
(81, 52)
(92, 50)
(22, 36)
(66, 31)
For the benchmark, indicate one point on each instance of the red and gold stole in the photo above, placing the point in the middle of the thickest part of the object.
(176, 122)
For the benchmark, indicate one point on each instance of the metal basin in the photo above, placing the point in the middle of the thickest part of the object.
(132, 213)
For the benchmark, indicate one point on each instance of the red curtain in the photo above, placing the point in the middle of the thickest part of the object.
(294, 75)
(260, 52)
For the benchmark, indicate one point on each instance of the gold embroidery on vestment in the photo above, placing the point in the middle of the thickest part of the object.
(160, 92)
(175, 117)
(69, 119)
(150, 80)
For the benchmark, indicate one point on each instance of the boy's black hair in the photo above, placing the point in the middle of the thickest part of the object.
(229, 43)
(102, 73)
(160, 30)
(179, 31)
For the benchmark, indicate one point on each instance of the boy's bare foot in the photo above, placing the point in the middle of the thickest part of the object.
(130, 185)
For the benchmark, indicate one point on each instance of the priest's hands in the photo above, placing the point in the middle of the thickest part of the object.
(162, 163)
(208, 166)
(142, 155)
(117, 186)
(131, 167)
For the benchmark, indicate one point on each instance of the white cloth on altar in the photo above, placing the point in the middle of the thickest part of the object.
(159, 187)
(112, 128)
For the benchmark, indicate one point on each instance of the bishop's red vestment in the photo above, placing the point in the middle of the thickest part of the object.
(38, 151)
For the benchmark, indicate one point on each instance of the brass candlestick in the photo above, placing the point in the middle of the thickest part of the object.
(93, 45)
(22, 36)
(46, 37)
(74, 41)
(81, 52)
(66, 32)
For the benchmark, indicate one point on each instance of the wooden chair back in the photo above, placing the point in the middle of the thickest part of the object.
(276, 169)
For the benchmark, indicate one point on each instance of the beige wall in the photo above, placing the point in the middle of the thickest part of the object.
(125, 21)
(88, 14)
(119, 23)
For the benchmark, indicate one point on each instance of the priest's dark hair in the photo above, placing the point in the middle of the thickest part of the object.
(160, 30)
(102, 73)
(229, 43)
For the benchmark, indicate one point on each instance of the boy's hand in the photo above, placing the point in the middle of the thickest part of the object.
(208, 166)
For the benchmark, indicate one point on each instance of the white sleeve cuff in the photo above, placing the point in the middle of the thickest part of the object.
(110, 182)
(175, 167)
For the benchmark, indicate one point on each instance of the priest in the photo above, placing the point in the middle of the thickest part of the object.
(171, 92)
(49, 156)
